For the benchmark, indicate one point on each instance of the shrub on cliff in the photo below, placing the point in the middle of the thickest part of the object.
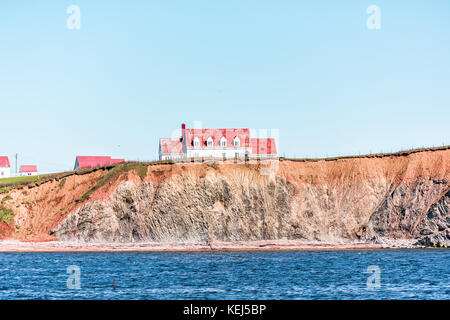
(62, 183)
(6, 215)
(8, 197)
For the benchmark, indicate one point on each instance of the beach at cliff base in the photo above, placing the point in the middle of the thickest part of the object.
(263, 245)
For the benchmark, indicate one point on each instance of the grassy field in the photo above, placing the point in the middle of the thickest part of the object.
(7, 184)
(14, 180)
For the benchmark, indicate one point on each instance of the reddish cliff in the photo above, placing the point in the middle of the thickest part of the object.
(403, 196)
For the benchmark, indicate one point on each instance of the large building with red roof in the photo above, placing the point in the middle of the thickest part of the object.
(216, 143)
(84, 162)
(5, 167)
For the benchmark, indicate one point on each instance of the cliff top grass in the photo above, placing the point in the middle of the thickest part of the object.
(402, 153)
(8, 184)
(14, 180)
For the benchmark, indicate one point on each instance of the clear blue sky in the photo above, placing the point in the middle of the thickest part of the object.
(136, 70)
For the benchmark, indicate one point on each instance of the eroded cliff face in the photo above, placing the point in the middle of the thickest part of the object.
(188, 208)
(342, 200)
(416, 209)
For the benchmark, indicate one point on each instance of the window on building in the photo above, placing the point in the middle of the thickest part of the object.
(209, 142)
(196, 142)
(236, 142)
(223, 142)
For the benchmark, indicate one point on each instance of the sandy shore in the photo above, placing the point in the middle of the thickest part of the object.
(278, 245)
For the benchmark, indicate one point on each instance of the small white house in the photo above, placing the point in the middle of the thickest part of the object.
(30, 170)
(5, 167)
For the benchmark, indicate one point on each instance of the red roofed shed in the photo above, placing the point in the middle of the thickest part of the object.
(28, 170)
(83, 162)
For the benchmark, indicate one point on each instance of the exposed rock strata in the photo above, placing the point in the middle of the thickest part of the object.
(242, 205)
(375, 199)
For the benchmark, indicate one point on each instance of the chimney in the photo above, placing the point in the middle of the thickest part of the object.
(183, 131)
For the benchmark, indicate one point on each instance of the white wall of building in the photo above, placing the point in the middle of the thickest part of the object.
(28, 174)
(216, 153)
(5, 172)
(171, 156)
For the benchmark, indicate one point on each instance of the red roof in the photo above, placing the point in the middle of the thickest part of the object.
(4, 162)
(30, 168)
(170, 146)
(255, 146)
(95, 161)
(216, 135)
(263, 146)
(115, 161)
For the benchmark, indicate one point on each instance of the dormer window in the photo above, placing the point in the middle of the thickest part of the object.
(196, 142)
(223, 142)
(236, 142)
(209, 142)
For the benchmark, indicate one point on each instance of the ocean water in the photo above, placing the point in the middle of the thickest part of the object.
(374, 274)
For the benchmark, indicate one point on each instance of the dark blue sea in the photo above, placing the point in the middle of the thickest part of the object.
(377, 274)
